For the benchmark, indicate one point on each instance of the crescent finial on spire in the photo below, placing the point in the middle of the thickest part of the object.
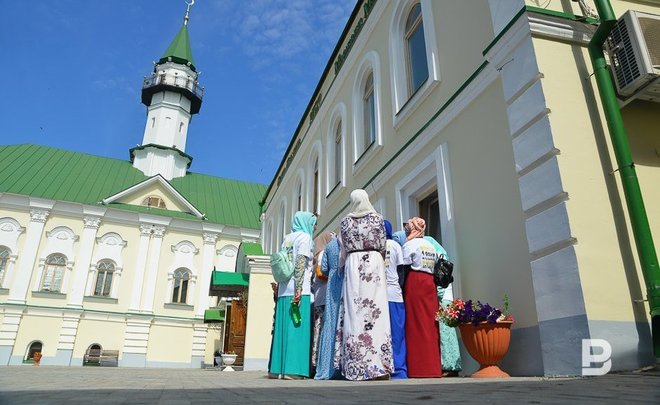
(187, 17)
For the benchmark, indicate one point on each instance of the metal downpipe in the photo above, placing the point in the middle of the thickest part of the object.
(632, 192)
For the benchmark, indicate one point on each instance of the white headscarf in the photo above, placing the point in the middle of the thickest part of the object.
(360, 205)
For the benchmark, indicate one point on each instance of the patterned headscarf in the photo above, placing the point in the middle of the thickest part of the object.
(399, 237)
(303, 221)
(360, 205)
(388, 229)
(415, 228)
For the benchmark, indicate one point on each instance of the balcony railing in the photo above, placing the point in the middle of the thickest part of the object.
(158, 79)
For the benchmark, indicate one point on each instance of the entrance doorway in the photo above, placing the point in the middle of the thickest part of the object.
(235, 334)
(429, 210)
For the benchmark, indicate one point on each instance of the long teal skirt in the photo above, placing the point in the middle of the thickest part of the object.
(291, 343)
(451, 355)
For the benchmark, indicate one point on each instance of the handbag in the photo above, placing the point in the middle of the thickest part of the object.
(442, 272)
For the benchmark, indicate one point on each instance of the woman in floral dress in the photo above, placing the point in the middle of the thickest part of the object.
(364, 336)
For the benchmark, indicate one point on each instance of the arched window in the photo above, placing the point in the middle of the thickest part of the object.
(35, 347)
(315, 186)
(154, 202)
(92, 355)
(281, 227)
(104, 271)
(369, 112)
(299, 196)
(417, 70)
(180, 290)
(54, 273)
(339, 162)
(4, 262)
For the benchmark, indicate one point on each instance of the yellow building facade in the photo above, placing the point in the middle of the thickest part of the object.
(483, 117)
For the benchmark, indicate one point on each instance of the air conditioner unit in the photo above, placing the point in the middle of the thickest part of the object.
(634, 50)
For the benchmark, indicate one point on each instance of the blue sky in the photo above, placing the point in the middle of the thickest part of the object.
(73, 70)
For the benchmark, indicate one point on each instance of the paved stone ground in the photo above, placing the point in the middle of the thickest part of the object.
(92, 385)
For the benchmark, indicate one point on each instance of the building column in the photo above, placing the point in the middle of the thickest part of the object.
(208, 254)
(136, 341)
(21, 282)
(83, 261)
(140, 265)
(152, 269)
(67, 339)
(8, 332)
(197, 359)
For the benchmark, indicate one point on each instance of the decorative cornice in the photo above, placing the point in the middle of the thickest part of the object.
(210, 238)
(39, 216)
(145, 229)
(91, 222)
(158, 231)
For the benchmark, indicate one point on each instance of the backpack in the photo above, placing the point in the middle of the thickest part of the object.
(281, 266)
(442, 272)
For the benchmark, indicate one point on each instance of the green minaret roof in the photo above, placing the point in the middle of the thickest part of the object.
(179, 49)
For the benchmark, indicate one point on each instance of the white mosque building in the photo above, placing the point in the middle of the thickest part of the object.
(100, 256)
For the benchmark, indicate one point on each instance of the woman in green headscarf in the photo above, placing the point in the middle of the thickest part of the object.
(290, 355)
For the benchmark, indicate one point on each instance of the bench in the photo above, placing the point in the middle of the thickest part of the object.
(109, 358)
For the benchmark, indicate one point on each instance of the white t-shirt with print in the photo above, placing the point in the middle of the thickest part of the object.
(297, 243)
(393, 258)
(420, 255)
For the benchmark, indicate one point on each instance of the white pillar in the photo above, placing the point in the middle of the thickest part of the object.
(140, 265)
(200, 332)
(67, 339)
(136, 341)
(208, 254)
(21, 282)
(152, 269)
(84, 258)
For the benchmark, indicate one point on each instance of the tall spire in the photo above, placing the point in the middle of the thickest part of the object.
(187, 16)
(179, 50)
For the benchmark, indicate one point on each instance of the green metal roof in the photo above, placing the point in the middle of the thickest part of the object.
(214, 315)
(56, 174)
(179, 49)
(249, 248)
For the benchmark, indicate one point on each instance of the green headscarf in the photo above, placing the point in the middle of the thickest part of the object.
(304, 221)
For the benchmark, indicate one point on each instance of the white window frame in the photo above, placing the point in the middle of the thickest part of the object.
(315, 157)
(432, 172)
(7, 263)
(64, 267)
(281, 224)
(338, 120)
(298, 190)
(112, 278)
(190, 287)
(370, 65)
(403, 105)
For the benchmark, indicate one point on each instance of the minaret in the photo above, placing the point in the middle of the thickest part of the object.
(172, 95)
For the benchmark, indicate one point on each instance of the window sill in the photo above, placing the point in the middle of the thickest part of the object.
(414, 102)
(4, 291)
(365, 157)
(49, 294)
(173, 305)
(96, 298)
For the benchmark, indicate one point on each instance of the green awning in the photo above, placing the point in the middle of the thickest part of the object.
(228, 284)
(214, 315)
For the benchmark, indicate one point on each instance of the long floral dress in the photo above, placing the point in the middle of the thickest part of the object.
(363, 336)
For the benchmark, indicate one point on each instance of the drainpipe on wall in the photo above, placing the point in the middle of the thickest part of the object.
(632, 192)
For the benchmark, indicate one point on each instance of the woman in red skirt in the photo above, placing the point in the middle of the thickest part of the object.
(421, 302)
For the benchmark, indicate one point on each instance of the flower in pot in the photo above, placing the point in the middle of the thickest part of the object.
(37, 358)
(228, 359)
(485, 330)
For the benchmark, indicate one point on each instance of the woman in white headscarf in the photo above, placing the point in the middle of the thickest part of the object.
(365, 351)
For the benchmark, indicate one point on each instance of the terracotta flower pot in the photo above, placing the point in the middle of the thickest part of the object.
(487, 344)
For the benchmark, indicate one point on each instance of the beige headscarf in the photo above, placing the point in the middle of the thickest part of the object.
(415, 228)
(320, 242)
(360, 205)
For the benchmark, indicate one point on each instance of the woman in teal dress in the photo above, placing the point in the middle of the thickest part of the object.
(290, 355)
(451, 355)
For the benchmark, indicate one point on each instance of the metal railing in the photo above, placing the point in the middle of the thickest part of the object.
(173, 80)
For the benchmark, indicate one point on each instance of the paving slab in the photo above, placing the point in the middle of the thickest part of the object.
(94, 385)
